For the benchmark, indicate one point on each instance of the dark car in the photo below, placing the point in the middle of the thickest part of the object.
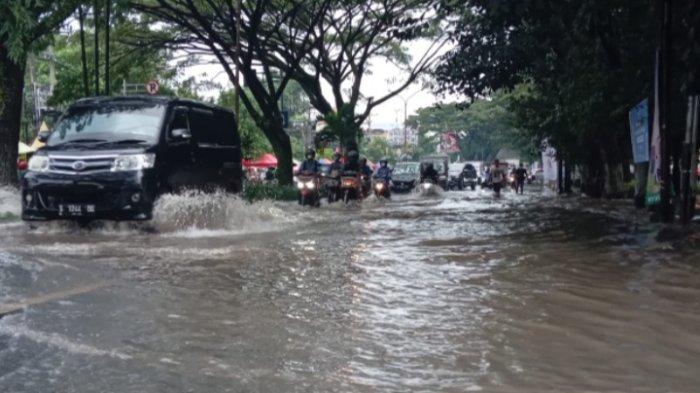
(110, 157)
(405, 176)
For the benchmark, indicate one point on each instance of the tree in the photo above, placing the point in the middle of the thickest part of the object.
(208, 28)
(378, 148)
(346, 40)
(484, 126)
(24, 26)
(586, 63)
(128, 63)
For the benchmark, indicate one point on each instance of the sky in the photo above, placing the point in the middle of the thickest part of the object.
(388, 115)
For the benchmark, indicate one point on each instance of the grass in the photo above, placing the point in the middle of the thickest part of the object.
(259, 191)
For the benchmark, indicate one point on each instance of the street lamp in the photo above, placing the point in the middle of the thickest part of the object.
(405, 116)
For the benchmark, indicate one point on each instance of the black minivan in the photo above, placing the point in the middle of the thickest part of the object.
(110, 157)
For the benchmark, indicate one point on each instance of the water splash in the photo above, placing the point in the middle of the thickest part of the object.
(201, 214)
(10, 205)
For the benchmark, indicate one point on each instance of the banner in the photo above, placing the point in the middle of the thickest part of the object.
(653, 194)
(639, 131)
(450, 142)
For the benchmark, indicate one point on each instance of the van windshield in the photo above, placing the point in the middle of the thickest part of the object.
(114, 123)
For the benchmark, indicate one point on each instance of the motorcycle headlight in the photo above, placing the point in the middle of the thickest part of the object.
(38, 164)
(380, 186)
(310, 184)
(427, 186)
(300, 185)
(133, 162)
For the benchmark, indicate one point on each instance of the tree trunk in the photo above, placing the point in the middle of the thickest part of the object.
(567, 177)
(83, 55)
(282, 146)
(593, 174)
(11, 90)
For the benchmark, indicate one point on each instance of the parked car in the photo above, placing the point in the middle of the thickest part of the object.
(111, 157)
(440, 163)
(405, 176)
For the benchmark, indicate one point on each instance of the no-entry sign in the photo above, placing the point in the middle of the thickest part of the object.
(152, 87)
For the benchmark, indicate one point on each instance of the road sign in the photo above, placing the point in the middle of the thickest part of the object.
(152, 87)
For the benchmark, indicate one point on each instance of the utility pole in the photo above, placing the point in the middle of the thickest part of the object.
(96, 15)
(83, 56)
(108, 11)
(405, 117)
(665, 192)
(237, 75)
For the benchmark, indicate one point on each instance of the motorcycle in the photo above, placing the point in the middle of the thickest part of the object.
(513, 181)
(350, 187)
(382, 188)
(331, 183)
(428, 188)
(308, 186)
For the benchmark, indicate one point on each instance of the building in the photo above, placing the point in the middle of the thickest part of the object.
(399, 137)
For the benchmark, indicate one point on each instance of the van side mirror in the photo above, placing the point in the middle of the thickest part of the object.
(43, 136)
(180, 134)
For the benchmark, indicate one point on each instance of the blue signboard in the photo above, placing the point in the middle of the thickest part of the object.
(639, 130)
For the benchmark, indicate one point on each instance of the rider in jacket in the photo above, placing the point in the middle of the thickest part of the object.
(429, 173)
(310, 165)
(383, 172)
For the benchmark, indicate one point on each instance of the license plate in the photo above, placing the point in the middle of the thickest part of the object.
(75, 210)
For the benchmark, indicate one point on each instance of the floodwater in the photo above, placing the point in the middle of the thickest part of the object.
(461, 292)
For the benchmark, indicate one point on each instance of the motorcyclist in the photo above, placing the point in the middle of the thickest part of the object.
(429, 173)
(366, 172)
(383, 172)
(337, 164)
(353, 164)
(310, 165)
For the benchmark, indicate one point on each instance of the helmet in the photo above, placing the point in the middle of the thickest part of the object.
(311, 152)
(383, 161)
(363, 160)
(336, 156)
(353, 156)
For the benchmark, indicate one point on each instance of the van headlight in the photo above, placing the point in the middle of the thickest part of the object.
(133, 162)
(38, 164)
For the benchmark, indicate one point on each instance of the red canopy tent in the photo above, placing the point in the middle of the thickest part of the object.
(266, 160)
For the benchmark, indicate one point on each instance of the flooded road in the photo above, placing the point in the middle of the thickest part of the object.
(451, 294)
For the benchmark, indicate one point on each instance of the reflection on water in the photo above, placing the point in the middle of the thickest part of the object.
(456, 293)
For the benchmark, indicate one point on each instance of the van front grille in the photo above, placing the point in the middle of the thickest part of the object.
(74, 165)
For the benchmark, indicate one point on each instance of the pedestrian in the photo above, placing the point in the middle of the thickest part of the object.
(520, 176)
(498, 176)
